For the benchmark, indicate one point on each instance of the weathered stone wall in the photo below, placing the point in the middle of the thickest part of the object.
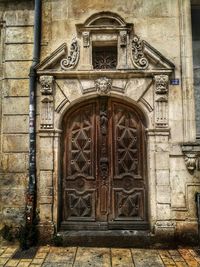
(165, 24)
(16, 22)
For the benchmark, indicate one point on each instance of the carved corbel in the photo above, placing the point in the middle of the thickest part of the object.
(103, 85)
(46, 114)
(71, 61)
(161, 100)
(191, 161)
(191, 152)
(139, 59)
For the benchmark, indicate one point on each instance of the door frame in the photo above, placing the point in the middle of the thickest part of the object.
(144, 121)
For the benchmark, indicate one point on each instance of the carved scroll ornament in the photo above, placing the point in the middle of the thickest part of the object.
(139, 59)
(71, 61)
(103, 85)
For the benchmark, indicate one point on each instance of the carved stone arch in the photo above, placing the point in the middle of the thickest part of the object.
(108, 17)
(139, 106)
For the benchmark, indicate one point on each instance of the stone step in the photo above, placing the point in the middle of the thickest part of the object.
(114, 238)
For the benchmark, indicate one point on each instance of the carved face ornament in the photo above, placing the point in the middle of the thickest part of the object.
(103, 85)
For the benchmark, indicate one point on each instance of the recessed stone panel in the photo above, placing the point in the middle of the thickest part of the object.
(21, 16)
(18, 87)
(15, 143)
(19, 35)
(17, 69)
(16, 163)
(18, 52)
(15, 124)
(16, 105)
(163, 194)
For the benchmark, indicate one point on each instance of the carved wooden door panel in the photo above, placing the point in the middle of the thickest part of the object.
(128, 181)
(103, 167)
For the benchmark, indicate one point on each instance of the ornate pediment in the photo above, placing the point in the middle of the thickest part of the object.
(105, 36)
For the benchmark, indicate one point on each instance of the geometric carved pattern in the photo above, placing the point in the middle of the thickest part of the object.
(81, 145)
(128, 205)
(126, 143)
(80, 206)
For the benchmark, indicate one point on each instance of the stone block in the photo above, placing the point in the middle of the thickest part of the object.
(45, 212)
(59, 12)
(163, 212)
(162, 177)
(136, 87)
(17, 52)
(17, 69)
(14, 180)
(16, 105)
(21, 16)
(178, 164)
(163, 194)
(19, 34)
(71, 89)
(16, 143)
(45, 179)
(13, 215)
(176, 127)
(15, 124)
(162, 160)
(19, 87)
(178, 200)
(12, 197)
(15, 163)
(46, 159)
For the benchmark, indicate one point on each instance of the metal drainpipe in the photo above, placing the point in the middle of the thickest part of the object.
(30, 202)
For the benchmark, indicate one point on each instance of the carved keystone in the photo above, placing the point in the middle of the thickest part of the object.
(103, 85)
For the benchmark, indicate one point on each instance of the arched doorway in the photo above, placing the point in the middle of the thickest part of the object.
(104, 183)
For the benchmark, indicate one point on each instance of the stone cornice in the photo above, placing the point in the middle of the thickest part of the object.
(93, 74)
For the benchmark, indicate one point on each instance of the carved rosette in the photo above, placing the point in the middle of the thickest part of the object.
(103, 85)
(71, 61)
(161, 100)
(46, 115)
(139, 59)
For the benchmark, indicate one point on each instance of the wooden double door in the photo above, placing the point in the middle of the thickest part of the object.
(104, 166)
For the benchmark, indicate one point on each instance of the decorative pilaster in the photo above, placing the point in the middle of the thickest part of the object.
(161, 100)
(46, 115)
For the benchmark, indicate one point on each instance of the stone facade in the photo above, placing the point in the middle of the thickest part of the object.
(154, 46)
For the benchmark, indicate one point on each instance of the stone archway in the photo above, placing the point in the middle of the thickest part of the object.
(104, 183)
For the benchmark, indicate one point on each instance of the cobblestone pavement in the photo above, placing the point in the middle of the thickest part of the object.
(48, 256)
